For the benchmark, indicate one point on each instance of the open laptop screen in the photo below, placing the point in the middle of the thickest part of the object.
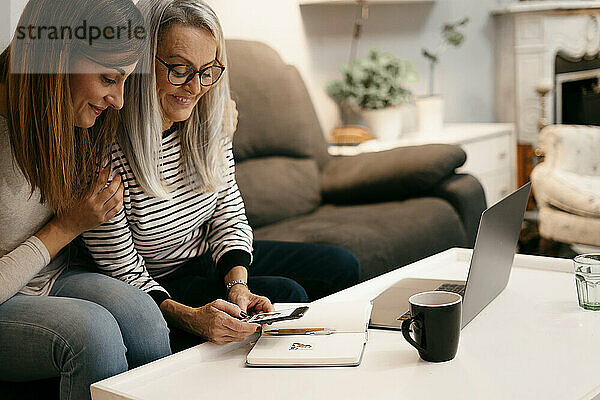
(489, 271)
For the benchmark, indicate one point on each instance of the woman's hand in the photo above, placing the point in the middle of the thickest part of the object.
(248, 301)
(215, 322)
(102, 203)
(99, 206)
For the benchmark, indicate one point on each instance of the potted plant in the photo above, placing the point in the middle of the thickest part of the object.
(375, 86)
(430, 108)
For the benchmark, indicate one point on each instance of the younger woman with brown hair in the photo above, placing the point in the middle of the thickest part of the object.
(58, 113)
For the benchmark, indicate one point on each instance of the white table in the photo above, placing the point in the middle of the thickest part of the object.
(532, 342)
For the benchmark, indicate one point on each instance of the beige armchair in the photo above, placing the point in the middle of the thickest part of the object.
(566, 184)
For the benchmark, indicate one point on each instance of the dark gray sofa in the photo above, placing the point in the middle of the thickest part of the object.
(389, 208)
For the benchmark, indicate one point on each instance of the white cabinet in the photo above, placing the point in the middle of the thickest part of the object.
(490, 148)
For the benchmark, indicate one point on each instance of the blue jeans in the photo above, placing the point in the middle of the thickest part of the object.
(89, 328)
(285, 272)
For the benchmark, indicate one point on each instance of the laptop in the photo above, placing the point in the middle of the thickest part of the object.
(489, 271)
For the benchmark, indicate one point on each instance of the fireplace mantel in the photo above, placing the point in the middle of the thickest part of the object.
(546, 6)
(528, 37)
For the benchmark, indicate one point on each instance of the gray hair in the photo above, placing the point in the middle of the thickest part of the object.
(203, 136)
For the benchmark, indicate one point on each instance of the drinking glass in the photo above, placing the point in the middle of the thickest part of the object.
(587, 280)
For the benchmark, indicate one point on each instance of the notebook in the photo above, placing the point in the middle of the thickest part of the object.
(344, 347)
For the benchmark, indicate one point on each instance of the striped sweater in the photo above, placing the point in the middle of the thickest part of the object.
(151, 237)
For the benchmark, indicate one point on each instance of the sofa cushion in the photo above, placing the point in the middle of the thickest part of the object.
(389, 175)
(276, 115)
(276, 188)
(383, 236)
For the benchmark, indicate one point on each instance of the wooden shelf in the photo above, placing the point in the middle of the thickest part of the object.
(370, 2)
(542, 6)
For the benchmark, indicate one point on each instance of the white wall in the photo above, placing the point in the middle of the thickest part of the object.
(10, 10)
(317, 39)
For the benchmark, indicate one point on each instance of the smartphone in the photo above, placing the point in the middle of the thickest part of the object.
(281, 315)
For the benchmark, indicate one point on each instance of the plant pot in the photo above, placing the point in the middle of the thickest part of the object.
(430, 114)
(350, 114)
(385, 124)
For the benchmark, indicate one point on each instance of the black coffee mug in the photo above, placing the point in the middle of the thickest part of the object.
(435, 319)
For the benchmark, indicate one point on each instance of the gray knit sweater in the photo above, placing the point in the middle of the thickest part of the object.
(25, 264)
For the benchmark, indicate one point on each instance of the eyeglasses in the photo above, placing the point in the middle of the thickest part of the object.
(180, 74)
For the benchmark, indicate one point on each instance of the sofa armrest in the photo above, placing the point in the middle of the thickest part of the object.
(466, 195)
(389, 175)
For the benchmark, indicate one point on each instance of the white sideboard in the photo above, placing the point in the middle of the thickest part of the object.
(490, 148)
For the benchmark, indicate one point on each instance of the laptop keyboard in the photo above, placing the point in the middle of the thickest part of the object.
(457, 288)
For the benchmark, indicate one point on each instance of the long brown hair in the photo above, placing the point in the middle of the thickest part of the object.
(57, 158)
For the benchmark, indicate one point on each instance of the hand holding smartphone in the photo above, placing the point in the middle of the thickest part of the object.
(276, 316)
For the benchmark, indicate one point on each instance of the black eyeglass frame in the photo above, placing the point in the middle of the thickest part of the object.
(191, 76)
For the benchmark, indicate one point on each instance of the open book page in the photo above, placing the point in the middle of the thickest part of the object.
(340, 316)
(344, 347)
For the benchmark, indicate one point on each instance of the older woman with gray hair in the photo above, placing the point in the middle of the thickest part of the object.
(183, 235)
